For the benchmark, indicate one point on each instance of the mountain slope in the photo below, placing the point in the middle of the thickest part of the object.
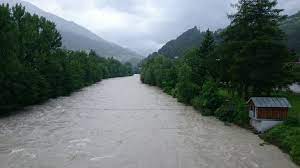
(76, 37)
(192, 38)
(292, 28)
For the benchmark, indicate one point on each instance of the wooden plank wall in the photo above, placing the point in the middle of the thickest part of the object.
(272, 113)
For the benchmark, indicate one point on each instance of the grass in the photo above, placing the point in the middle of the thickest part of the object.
(294, 100)
(287, 135)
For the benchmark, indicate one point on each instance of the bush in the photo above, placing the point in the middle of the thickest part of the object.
(209, 99)
(292, 121)
(241, 116)
(168, 86)
(197, 103)
(233, 110)
(287, 138)
(186, 91)
(226, 112)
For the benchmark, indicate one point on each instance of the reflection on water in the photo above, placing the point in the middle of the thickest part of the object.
(123, 123)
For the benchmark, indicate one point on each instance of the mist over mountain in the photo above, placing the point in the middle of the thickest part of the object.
(76, 37)
(291, 27)
(193, 37)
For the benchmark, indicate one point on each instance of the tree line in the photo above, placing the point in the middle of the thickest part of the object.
(34, 67)
(251, 59)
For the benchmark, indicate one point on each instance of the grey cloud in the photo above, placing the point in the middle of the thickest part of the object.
(148, 24)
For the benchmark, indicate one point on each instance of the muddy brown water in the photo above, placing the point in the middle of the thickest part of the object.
(121, 123)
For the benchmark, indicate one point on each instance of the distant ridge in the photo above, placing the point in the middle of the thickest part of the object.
(76, 37)
(176, 48)
(193, 37)
(292, 28)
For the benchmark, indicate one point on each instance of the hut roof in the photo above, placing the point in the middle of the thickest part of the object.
(270, 102)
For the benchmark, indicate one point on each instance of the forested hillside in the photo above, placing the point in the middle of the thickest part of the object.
(76, 37)
(34, 67)
(292, 28)
(192, 38)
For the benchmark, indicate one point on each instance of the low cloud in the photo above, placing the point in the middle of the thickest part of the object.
(145, 25)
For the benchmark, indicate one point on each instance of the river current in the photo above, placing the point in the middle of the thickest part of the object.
(122, 123)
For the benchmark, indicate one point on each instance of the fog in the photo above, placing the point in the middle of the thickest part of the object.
(145, 25)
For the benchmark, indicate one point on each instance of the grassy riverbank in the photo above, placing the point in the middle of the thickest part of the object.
(176, 78)
(219, 76)
(232, 109)
(287, 135)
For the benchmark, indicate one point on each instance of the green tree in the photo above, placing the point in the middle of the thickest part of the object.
(186, 90)
(34, 68)
(203, 61)
(254, 50)
(209, 99)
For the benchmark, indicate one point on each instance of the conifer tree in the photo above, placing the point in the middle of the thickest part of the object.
(254, 50)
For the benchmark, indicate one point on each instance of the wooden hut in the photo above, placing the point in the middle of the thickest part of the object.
(266, 112)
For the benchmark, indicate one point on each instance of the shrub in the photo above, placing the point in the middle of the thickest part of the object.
(197, 103)
(186, 91)
(241, 116)
(167, 87)
(233, 110)
(226, 112)
(287, 138)
(209, 99)
(292, 121)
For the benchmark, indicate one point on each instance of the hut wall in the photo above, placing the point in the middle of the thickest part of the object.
(272, 113)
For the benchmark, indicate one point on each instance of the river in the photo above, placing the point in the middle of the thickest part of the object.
(121, 123)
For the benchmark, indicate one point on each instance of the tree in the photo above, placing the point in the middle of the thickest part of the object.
(254, 50)
(186, 90)
(203, 60)
(34, 68)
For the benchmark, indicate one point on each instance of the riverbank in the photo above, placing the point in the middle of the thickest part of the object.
(35, 67)
(101, 126)
(214, 98)
(287, 135)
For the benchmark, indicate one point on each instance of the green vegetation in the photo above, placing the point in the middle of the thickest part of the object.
(291, 27)
(297, 73)
(252, 59)
(34, 67)
(287, 138)
(287, 135)
(192, 38)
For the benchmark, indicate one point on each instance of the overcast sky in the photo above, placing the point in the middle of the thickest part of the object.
(145, 25)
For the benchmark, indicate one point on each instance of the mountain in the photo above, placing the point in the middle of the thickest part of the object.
(76, 37)
(292, 28)
(192, 38)
(178, 47)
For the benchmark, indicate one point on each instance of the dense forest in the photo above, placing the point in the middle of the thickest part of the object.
(251, 59)
(34, 67)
